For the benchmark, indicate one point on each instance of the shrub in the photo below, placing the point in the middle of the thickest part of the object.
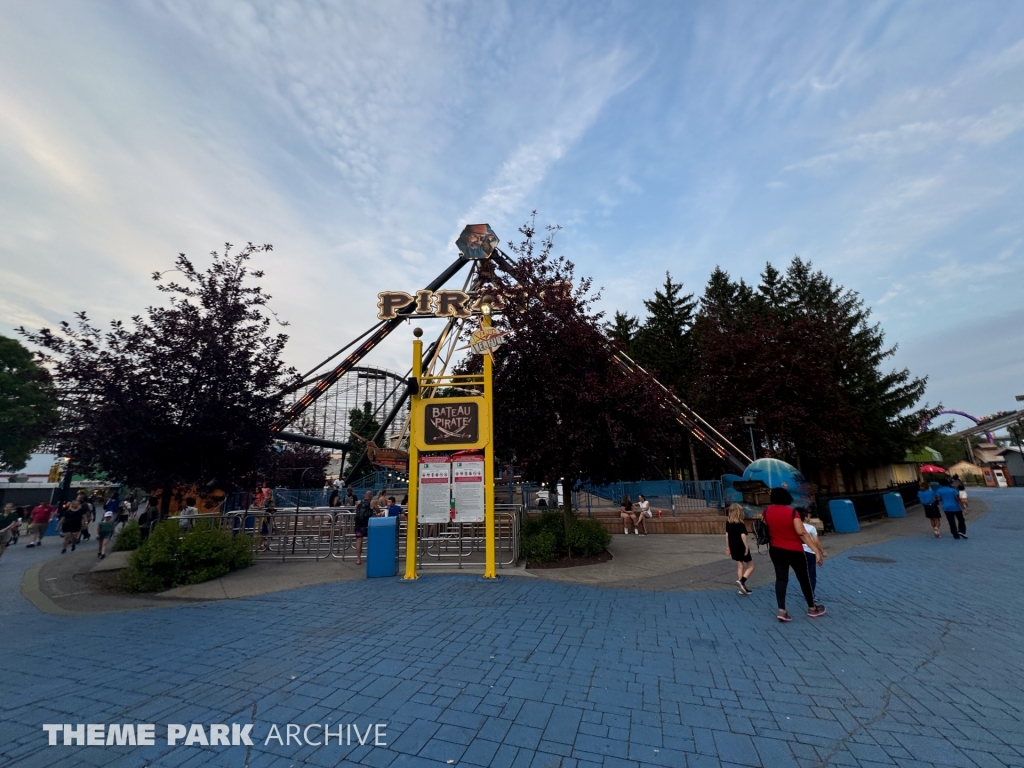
(167, 559)
(129, 538)
(540, 547)
(543, 537)
(588, 538)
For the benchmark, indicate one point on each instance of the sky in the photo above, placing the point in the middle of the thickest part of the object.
(881, 140)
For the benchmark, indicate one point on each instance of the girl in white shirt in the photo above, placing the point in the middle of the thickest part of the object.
(812, 565)
(643, 512)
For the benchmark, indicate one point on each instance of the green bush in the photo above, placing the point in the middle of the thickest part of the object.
(540, 547)
(588, 538)
(129, 538)
(543, 537)
(167, 559)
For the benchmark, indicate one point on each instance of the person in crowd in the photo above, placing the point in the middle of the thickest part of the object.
(627, 514)
(71, 524)
(41, 515)
(394, 508)
(786, 537)
(104, 532)
(961, 490)
(112, 505)
(149, 518)
(364, 511)
(930, 501)
(949, 498)
(738, 547)
(809, 554)
(350, 498)
(643, 511)
(9, 521)
(405, 500)
(335, 499)
(22, 513)
(187, 516)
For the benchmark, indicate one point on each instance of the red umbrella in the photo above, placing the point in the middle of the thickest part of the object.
(932, 468)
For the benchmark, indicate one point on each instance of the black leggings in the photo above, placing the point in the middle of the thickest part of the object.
(783, 560)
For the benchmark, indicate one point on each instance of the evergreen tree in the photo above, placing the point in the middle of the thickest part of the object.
(363, 425)
(664, 344)
(623, 330)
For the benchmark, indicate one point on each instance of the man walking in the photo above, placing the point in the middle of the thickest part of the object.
(41, 515)
(950, 500)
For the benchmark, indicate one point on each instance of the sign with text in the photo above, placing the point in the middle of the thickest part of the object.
(453, 422)
(468, 488)
(433, 495)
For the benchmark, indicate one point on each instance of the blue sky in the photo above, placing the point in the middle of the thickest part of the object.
(882, 141)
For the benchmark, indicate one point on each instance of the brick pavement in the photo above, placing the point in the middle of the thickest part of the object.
(918, 663)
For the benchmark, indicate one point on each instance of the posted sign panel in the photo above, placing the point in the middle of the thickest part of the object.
(433, 500)
(468, 489)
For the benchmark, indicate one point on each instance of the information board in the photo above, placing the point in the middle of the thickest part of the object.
(433, 499)
(468, 488)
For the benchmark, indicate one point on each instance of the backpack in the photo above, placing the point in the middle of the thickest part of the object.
(363, 514)
(760, 528)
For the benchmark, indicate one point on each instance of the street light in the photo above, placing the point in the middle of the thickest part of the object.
(749, 421)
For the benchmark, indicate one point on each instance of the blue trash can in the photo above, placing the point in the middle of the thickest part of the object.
(53, 529)
(844, 516)
(382, 547)
(894, 505)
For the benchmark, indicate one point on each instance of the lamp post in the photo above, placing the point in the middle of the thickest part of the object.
(749, 421)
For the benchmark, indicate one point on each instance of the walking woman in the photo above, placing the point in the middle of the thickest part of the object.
(786, 539)
(627, 515)
(930, 501)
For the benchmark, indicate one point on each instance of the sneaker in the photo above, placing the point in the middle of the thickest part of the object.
(746, 590)
(29, 546)
(816, 611)
(103, 557)
(73, 547)
(963, 535)
(625, 533)
(64, 551)
(783, 615)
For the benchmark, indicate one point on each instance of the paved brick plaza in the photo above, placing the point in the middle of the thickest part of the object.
(919, 662)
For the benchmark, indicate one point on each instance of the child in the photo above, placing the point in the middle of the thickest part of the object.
(103, 532)
(812, 561)
(737, 547)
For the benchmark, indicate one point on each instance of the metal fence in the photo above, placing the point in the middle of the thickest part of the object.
(324, 533)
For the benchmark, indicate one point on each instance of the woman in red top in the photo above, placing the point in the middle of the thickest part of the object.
(786, 537)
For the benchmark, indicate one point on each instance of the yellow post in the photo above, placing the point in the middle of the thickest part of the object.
(414, 462)
(490, 570)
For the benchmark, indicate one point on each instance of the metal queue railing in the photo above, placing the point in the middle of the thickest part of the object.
(322, 533)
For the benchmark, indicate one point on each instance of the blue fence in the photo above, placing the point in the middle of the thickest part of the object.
(710, 491)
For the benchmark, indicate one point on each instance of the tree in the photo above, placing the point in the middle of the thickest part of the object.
(800, 354)
(28, 404)
(363, 425)
(563, 408)
(184, 395)
(664, 343)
